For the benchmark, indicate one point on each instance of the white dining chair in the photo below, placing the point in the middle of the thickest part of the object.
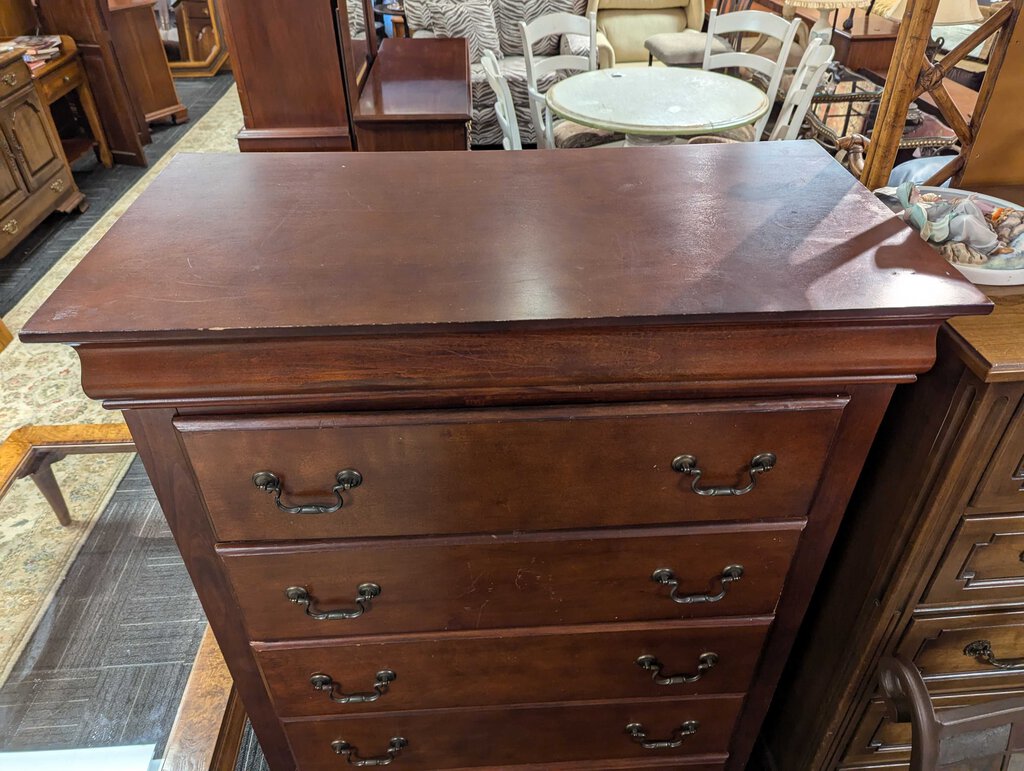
(809, 73)
(504, 107)
(545, 127)
(768, 25)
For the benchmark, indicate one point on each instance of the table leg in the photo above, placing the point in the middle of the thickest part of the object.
(644, 140)
(92, 117)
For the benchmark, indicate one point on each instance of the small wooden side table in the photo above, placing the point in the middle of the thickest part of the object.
(397, 13)
(63, 75)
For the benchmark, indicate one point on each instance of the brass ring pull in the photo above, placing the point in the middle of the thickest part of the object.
(667, 577)
(759, 464)
(365, 594)
(351, 753)
(639, 735)
(651, 664)
(322, 682)
(269, 482)
(10, 79)
(982, 651)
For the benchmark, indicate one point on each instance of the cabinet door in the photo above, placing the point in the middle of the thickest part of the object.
(28, 128)
(12, 188)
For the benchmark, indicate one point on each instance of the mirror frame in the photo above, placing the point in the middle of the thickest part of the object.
(354, 80)
(218, 54)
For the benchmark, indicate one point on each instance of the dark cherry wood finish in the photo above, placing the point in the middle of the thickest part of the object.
(931, 559)
(416, 97)
(283, 310)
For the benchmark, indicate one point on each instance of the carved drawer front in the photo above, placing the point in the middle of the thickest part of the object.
(488, 582)
(354, 677)
(981, 651)
(878, 740)
(502, 737)
(355, 475)
(983, 564)
(14, 77)
(1002, 486)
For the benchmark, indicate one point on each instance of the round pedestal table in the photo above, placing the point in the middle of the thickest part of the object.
(653, 105)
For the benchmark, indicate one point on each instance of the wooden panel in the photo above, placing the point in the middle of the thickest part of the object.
(451, 472)
(501, 737)
(984, 563)
(514, 667)
(12, 187)
(413, 136)
(14, 75)
(17, 17)
(1002, 487)
(938, 646)
(28, 128)
(489, 582)
(992, 346)
(633, 268)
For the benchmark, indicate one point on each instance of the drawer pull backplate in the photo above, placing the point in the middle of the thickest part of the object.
(651, 664)
(759, 464)
(10, 79)
(667, 577)
(269, 482)
(364, 596)
(639, 735)
(326, 683)
(351, 753)
(982, 651)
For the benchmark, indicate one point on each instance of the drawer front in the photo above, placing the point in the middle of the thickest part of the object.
(63, 80)
(506, 471)
(981, 651)
(667, 660)
(878, 740)
(1002, 486)
(984, 563)
(500, 737)
(14, 77)
(488, 582)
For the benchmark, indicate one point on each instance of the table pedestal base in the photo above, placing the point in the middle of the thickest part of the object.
(645, 140)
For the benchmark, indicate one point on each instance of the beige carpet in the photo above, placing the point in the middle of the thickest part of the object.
(40, 384)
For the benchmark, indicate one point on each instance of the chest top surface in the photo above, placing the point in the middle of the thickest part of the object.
(249, 245)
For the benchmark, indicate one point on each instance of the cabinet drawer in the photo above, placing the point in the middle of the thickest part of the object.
(983, 564)
(14, 77)
(516, 667)
(1002, 486)
(59, 82)
(951, 652)
(506, 471)
(487, 582)
(502, 737)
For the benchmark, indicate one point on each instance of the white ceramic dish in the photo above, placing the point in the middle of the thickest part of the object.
(974, 273)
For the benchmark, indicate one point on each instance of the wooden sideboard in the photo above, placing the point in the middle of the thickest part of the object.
(35, 179)
(550, 490)
(929, 565)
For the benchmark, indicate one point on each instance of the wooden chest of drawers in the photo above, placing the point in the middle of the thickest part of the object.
(536, 488)
(931, 567)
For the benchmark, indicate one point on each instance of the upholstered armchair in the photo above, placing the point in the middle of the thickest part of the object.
(624, 25)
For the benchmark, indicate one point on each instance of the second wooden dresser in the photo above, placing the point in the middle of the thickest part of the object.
(542, 487)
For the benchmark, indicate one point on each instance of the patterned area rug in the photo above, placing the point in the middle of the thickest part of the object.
(41, 384)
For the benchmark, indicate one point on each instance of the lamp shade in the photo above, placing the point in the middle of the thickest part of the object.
(949, 11)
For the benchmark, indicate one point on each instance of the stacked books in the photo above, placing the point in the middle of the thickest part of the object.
(36, 49)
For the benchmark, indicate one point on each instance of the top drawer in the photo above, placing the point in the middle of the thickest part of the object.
(13, 77)
(506, 470)
(1002, 487)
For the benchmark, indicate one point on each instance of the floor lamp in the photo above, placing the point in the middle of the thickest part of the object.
(911, 74)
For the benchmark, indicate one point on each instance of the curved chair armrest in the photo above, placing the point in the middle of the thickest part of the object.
(605, 52)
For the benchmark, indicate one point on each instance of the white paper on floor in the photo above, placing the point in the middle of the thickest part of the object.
(135, 758)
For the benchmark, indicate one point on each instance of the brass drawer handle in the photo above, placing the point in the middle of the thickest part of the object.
(269, 482)
(10, 79)
(365, 594)
(322, 682)
(351, 753)
(639, 735)
(759, 464)
(982, 651)
(667, 577)
(11, 227)
(57, 186)
(651, 664)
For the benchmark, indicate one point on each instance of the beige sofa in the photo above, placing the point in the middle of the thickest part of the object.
(626, 24)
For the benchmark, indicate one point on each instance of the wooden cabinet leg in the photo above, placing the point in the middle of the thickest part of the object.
(47, 484)
(92, 116)
(5, 335)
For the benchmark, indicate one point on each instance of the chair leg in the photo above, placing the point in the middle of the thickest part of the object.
(650, 60)
(47, 484)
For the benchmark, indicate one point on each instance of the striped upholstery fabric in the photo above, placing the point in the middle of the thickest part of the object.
(470, 19)
(486, 130)
(511, 12)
